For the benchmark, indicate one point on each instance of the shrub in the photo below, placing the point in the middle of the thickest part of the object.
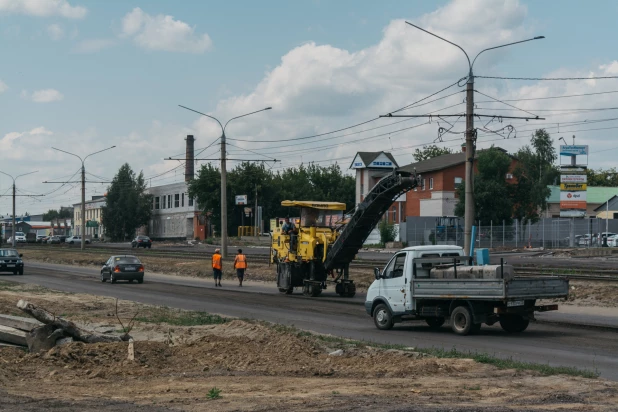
(387, 232)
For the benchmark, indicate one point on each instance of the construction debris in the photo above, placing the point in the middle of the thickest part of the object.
(50, 331)
(18, 322)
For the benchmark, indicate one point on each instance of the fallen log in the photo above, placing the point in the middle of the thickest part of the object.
(18, 322)
(68, 327)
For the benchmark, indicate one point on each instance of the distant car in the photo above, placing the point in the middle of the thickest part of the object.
(612, 240)
(53, 240)
(63, 238)
(20, 237)
(41, 238)
(141, 241)
(125, 267)
(10, 261)
(75, 239)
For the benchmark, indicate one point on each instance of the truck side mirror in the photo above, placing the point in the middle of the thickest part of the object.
(376, 273)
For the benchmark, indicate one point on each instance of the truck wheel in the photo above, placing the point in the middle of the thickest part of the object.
(286, 291)
(435, 323)
(312, 290)
(461, 320)
(382, 317)
(514, 323)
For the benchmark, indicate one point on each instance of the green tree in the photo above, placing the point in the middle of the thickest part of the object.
(50, 215)
(534, 172)
(602, 177)
(492, 194)
(206, 190)
(127, 207)
(387, 231)
(430, 151)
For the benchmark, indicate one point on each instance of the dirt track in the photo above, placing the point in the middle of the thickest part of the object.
(257, 367)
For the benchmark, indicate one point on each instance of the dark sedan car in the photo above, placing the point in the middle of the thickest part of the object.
(125, 267)
(10, 261)
(141, 241)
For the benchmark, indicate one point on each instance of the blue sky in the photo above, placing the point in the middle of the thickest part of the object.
(82, 75)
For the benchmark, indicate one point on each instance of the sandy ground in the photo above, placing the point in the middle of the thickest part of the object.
(256, 367)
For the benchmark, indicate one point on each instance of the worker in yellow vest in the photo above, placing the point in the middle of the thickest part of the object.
(217, 267)
(240, 264)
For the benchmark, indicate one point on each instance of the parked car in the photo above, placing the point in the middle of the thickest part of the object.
(10, 261)
(75, 239)
(612, 240)
(53, 240)
(20, 237)
(125, 267)
(141, 241)
(41, 238)
(63, 238)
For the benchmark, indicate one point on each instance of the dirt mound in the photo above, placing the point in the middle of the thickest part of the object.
(234, 347)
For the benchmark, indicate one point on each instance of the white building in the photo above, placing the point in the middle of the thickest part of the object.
(174, 213)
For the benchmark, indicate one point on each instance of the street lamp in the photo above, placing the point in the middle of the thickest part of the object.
(14, 179)
(83, 212)
(469, 180)
(224, 174)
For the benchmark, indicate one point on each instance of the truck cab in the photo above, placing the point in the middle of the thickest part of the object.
(436, 283)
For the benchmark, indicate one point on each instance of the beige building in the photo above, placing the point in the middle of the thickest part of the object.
(94, 229)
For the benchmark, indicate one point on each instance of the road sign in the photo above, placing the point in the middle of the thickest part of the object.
(241, 199)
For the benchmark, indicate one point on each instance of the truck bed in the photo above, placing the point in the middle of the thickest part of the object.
(541, 287)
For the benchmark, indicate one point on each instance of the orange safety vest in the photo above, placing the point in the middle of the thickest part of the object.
(216, 261)
(240, 262)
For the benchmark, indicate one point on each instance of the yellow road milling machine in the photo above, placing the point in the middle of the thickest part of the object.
(321, 248)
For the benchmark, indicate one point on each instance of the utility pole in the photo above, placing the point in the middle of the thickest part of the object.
(14, 195)
(83, 208)
(256, 210)
(470, 134)
(224, 174)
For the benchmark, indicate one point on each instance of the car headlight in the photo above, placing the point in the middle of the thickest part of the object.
(19, 261)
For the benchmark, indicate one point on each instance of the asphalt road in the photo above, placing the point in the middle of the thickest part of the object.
(586, 348)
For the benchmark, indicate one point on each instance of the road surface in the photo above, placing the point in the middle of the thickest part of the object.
(586, 348)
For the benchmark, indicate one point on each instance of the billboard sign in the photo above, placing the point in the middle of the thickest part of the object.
(573, 150)
(241, 199)
(573, 190)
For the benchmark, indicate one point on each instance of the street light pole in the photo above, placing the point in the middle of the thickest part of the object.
(14, 179)
(83, 208)
(470, 135)
(224, 174)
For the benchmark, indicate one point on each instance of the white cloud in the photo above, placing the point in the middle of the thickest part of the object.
(43, 8)
(163, 32)
(93, 45)
(55, 32)
(3, 87)
(42, 96)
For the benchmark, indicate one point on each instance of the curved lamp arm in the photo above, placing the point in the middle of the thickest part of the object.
(442, 38)
(504, 45)
(243, 115)
(204, 114)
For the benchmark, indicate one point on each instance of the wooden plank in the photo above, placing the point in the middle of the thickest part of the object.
(19, 322)
(12, 335)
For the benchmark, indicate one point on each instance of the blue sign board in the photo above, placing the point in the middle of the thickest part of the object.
(573, 150)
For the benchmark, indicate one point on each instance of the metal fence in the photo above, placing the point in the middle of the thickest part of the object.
(547, 233)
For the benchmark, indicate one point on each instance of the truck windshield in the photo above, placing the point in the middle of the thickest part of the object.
(320, 218)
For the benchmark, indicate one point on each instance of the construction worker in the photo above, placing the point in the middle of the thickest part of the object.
(288, 228)
(217, 267)
(240, 264)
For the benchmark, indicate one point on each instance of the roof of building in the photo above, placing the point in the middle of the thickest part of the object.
(594, 194)
(609, 204)
(439, 162)
(368, 157)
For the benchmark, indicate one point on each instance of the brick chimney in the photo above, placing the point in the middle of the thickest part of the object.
(189, 155)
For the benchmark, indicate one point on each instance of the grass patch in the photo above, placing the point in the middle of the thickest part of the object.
(214, 393)
(179, 317)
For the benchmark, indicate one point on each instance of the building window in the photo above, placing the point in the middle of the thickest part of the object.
(169, 201)
(190, 201)
(423, 184)
(177, 200)
(182, 200)
(458, 181)
(156, 200)
(431, 183)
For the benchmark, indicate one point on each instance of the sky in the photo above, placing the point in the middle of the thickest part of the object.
(84, 75)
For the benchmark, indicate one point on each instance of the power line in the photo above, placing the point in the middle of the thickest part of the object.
(503, 102)
(551, 97)
(548, 78)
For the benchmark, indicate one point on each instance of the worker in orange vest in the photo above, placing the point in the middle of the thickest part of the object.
(240, 264)
(216, 267)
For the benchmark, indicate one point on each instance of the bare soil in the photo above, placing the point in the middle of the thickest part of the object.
(256, 367)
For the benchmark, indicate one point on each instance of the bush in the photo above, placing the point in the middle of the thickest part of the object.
(387, 232)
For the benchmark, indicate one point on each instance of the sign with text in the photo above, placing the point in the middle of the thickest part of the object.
(570, 178)
(241, 199)
(573, 187)
(573, 150)
(573, 190)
